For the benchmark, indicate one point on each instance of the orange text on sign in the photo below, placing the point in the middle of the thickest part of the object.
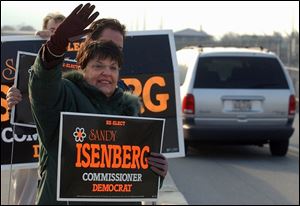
(146, 93)
(111, 156)
(115, 123)
(74, 46)
(5, 115)
(112, 187)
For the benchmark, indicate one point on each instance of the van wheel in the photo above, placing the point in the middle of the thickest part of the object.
(279, 148)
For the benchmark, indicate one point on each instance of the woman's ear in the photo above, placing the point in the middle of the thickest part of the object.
(81, 70)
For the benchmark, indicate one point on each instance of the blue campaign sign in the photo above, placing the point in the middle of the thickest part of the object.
(150, 69)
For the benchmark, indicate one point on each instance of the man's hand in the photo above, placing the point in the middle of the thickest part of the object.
(159, 164)
(13, 97)
(73, 26)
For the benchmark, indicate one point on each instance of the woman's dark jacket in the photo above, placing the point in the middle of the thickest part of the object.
(51, 94)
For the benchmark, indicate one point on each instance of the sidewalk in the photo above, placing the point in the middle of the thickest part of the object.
(169, 193)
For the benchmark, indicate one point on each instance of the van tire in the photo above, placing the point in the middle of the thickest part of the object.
(279, 148)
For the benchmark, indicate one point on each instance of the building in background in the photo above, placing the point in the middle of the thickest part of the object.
(191, 37)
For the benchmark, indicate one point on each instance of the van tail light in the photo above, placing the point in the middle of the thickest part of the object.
(188, 104)
(292, 105)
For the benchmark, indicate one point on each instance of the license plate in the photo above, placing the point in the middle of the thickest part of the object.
(242, 105)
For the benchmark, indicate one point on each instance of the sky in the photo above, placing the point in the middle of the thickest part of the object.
(213, 17)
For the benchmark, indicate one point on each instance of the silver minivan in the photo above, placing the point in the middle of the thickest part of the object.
(236, 95)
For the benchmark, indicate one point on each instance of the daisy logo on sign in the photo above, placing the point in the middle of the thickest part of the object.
(79, 134)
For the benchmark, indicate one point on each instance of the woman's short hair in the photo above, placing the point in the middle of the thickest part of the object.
(99, 49)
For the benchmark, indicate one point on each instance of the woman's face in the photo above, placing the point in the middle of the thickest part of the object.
(102, 74)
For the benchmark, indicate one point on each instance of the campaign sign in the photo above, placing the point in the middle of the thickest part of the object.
(104, 157)
(19, 145)
(19, 139)
(21, 114)
(150, 67)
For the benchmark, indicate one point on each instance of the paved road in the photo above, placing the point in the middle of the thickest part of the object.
(238, 175)
(294, 141)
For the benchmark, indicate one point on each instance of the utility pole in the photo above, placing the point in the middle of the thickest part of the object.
(145, 16)
(161, 23)
(137, 24)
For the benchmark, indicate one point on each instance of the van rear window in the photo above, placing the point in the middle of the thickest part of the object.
(240, 73)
